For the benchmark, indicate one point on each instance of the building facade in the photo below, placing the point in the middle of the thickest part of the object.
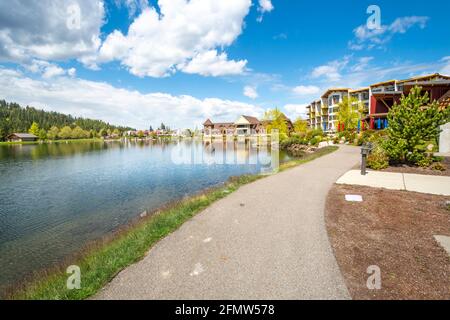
(21, 137)
(242, 127)
(377, 100)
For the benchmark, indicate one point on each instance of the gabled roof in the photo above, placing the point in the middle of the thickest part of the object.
(251, 120)
(425, 77)
(359, 90)
(23, 135)
(382, 83)
(327, 93)
(208, 123)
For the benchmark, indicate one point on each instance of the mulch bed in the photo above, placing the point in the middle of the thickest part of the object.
(419, 170)
(394, 231)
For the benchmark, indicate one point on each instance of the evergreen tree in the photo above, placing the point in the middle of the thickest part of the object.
(413, 126)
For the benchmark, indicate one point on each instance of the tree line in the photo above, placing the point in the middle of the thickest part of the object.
(51, 125)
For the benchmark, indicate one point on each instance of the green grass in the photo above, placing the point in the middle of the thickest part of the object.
(103, 260)
(307, 158)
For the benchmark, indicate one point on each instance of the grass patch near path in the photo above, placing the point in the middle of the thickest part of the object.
(309, 157)
(102, 261)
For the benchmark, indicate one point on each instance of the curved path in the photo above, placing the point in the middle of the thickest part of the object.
(265, 241)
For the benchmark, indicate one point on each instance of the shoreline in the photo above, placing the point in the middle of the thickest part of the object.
(103, 259)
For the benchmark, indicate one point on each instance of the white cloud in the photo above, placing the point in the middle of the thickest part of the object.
(359, 72)
(48, 70)
(294, 111)
(250, 92)
(306, 90)
(210, 63)
(182, 36)
(40, 30)
(362, 64)
(133, 6)
(100, 100)
(331, 71)
(377, 38)
(72, 72)
(263, 7)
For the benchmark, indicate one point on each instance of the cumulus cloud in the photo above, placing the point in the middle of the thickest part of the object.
(120, 106)
(294, 111)
(49, 30)
(250, 92)
(210, 63)
(48, 70)
(366, 38)
(305, 90)
(183, 35)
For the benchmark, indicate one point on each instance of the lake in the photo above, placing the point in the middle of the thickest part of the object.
(55, 198)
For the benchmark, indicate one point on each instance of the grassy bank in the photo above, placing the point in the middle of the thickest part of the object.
(103, 260)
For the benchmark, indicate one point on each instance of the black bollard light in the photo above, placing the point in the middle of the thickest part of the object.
(365, 151)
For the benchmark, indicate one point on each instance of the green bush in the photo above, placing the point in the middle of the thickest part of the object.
(378, 158)
(315, 140)
(413, 124)
(285, 144)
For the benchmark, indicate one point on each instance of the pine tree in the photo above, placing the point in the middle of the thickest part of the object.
(413, 126)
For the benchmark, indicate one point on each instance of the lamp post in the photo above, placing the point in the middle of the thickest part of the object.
(365, 151)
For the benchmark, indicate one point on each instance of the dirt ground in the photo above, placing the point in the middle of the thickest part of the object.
(394, 231)
(419, 170)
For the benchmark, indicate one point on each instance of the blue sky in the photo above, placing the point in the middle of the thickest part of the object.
(138, 62)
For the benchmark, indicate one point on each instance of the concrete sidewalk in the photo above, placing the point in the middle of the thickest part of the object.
(438, 185)
(267, 240)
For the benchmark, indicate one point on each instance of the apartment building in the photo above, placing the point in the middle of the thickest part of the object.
(377, 100)
(323, 112)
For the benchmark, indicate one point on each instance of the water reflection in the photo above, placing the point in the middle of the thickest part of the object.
(56, 197)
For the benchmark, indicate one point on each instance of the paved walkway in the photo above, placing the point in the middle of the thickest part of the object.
(266, 241)
(439, 185)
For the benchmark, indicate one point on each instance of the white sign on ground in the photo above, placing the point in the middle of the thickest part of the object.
(353, 198)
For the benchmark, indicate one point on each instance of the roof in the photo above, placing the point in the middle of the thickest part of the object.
(327, 93)
(381, 83)
(23, 135)
(428, 83)
(208, 123)
(359, 90)
(252, 120)
(425, 77)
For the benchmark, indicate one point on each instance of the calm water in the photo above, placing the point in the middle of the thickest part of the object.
(54, 198)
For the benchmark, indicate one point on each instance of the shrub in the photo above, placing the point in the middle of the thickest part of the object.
(378, 158)
(315, 140)
(413, 123)
(438, 166)
(292, 141)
